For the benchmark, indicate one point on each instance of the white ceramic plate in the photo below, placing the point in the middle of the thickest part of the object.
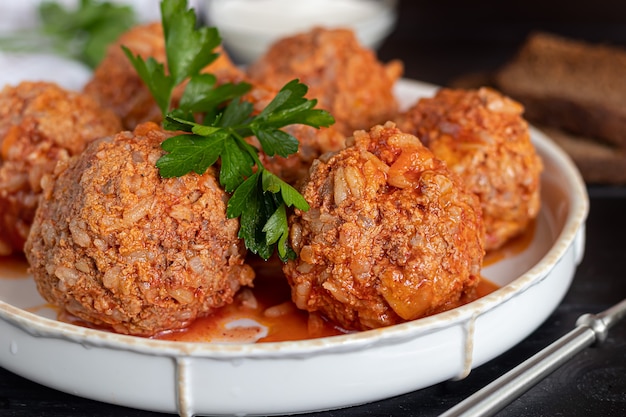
(304, 376)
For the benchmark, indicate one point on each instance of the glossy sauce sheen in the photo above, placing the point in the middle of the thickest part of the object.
(272, 293)
(273, 309)
(513, 247)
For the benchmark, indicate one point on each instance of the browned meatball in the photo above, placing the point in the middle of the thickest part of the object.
(40, 123)
(117, 245)
(345, 77)
(392, 235)
(482, 136)
(117, 85)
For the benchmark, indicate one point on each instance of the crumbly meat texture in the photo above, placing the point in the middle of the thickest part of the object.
(40, 123)
(392, 235)
(483, 136)
(346, 78)
(118, 246)
(116, 84)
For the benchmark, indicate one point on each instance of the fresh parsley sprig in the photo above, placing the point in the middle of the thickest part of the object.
(216, 121)
(188, 49)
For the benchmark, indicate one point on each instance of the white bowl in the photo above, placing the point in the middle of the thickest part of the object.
(249, 27)
(310, 375)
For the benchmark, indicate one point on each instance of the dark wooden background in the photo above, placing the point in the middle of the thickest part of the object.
(445, 39)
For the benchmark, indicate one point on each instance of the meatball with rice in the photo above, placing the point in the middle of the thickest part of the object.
(346, 78)
(118, 246)
(482, 136)
(392, 235)
(40, 123)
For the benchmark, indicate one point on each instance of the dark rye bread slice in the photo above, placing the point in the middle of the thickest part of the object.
(597, 162)
(576, 86)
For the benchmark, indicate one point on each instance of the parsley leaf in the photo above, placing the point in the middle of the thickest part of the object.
(261, 203)
(277, 232)
(259, 198)
(188, 50)
(153, 74)
(202, 96)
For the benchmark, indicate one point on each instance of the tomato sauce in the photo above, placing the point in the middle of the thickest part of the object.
(266, 313)
(275, 310)
(271, 308)
(513, 247)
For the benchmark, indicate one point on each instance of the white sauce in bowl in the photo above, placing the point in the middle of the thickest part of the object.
(289, 15)
(250, 26)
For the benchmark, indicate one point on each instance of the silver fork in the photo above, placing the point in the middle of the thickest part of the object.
(590, 329)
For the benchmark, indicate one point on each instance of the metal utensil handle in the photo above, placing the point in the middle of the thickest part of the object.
(495, 396)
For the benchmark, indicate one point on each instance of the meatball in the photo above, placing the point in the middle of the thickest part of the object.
(391, 235)
(482, 136)
(345, 77)
(118, 246)
(40, 123)
(116, 84)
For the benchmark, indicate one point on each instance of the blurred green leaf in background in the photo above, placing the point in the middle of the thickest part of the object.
(82, 33)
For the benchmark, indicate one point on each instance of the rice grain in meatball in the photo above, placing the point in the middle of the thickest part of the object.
(40, 123)
(117, 245)
(483, 137)
(392, 235)
(346, 78)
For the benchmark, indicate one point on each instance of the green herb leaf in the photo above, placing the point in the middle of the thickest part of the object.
(179, 28)
(188, 50)
(82, 33)
(237, 114)
(153, 74)
(190, 153)
(236, 165)
(290, 195)
(277, 231)
(89, 29)
(290, 107)
(275, 141)
(263, 215)
(259, 198)
(202, 96)
(254, 208)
